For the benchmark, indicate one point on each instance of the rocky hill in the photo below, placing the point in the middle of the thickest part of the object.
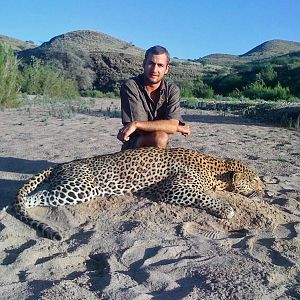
(102, 60)
(263, 51)
(92, 42)
(272, 48)
(16, 44)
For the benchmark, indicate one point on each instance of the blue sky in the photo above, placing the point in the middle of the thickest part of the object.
(189, 29)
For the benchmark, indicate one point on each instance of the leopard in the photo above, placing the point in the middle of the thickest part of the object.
(177, 176)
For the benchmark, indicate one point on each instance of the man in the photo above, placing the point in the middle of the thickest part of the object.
(150, 105)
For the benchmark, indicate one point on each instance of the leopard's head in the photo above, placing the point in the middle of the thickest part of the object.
(247, 184)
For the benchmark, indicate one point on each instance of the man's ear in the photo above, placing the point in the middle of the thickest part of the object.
(167, 69)
(144, 63)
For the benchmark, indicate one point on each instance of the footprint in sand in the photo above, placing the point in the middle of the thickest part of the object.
(269, 247)
(195, 229)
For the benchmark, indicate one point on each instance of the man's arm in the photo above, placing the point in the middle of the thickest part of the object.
(169, 126)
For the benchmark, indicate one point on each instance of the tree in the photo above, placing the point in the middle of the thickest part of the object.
(9, 87)
(75, 63)
(259, 90)
(39, 78)
(202, 90)
(268, 75)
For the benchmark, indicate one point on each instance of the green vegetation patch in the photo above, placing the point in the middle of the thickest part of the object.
(275, 112)
(9, 86)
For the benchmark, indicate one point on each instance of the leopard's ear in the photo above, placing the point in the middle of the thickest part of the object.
(237, 176)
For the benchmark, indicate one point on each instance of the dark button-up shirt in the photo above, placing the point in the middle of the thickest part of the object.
(138, 106)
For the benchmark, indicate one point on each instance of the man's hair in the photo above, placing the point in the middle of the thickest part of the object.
(157, 50)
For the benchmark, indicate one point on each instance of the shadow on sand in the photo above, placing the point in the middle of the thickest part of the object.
(219, 119)
(280, 117)
(8, 185)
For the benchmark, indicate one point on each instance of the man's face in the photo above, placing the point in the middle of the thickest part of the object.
(155, 68)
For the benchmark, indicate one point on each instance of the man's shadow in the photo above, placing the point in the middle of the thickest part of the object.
(22, 168)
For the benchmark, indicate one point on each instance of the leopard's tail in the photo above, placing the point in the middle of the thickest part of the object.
(21, 204)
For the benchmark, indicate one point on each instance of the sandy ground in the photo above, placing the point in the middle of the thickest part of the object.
(132, 248)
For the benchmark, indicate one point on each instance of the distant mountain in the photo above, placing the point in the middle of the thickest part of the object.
(93, 42)
(99, 60)
(263, 51)
(16, 44)
(272, 48)
(220, 59)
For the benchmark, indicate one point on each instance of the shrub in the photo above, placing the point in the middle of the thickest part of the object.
(258, 90)
(268, 75)
(9, 87)
(76, 64)
(195, 88)
(190, 103)
(202, 90)
(186, 88)
(226, 84)
(41, 79)
(98, 94)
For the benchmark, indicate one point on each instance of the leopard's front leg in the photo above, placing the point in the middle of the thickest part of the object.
(182, 193)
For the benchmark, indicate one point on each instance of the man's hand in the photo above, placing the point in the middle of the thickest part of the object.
(168, 126)
(184, 129)
(126, 131)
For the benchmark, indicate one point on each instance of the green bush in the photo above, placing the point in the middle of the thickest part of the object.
(259, 90)
(268, 75)
(41, 79)
(225, 84)
(195, 88)
(202, 90)
(9, 87)
(190, 103)
(98, 94)
(76, 64)
(186, 88)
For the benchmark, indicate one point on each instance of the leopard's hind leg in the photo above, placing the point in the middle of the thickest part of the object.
(40, 191)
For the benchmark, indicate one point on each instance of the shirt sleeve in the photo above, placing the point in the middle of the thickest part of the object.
(173, 105)
(131, 103)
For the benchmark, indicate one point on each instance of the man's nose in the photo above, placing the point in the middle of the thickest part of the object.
(155, 68)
